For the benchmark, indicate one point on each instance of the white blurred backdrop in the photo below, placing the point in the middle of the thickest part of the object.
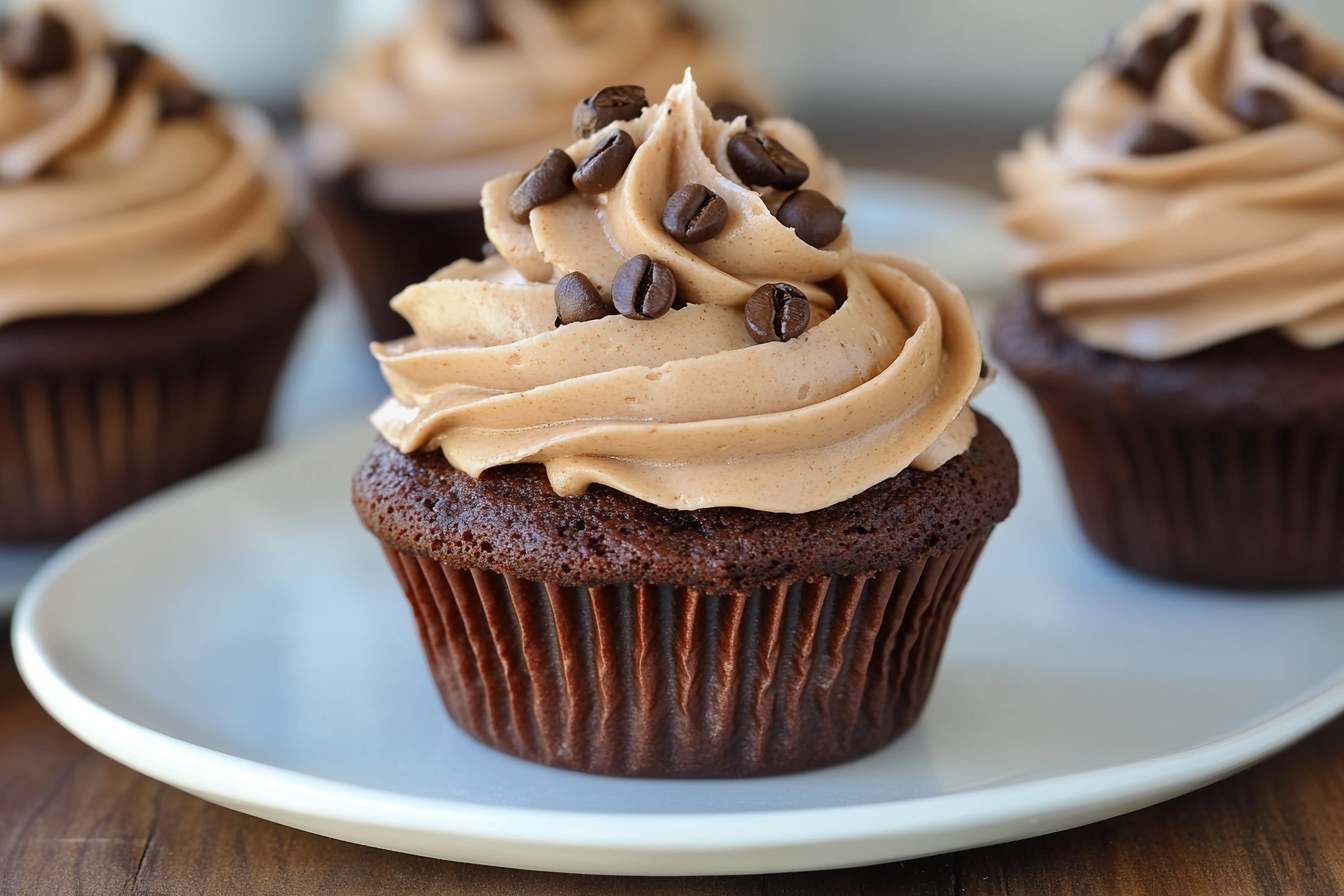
(994, 58)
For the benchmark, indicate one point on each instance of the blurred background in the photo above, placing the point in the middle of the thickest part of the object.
(934, 86)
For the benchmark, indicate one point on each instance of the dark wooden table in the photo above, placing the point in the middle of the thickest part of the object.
(75, 822)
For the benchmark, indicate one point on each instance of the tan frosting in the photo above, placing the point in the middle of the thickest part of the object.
(427, 119)
(686, 410)
(104, 209)
(1159, 256)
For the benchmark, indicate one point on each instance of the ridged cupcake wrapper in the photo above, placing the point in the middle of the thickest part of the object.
(387, 251)
(1225, 504)
(664, 681)
(76, 448)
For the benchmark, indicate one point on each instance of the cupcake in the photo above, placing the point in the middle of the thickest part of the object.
(1182, 328)
(680, 484)
(148, 289)
(401, 137)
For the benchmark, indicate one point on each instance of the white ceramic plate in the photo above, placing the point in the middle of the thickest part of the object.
(241, 637)
(950, 227)
(331, 376)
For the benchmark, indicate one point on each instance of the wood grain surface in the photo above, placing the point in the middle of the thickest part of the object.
(75, 822)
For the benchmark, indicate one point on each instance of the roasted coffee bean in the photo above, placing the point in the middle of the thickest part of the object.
(727, 110)
(1179, 34)
(577, 299)
(602, 168)
(1259, 108)
(643, 288)
(777, 312)
(624, 103)
(694, 214)
(473, 24)
(762, 161)
(816, 219)
(1158, 139)
(1145, 65)
(127, 59)
(182, 101)
(1264, 16)
(1282, 44)
(36, 47)
(1333, 83)
(551, 180)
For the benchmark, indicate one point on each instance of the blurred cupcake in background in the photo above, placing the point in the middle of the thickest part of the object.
(149, 291)
(402, 136)
(1183, 329)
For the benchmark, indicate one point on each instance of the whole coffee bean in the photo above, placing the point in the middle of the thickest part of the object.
(1259, 108)
(1282, 44)
(602, 168)
(36, 47)
(182, 101)
(777, 312)
(761, 161)
(473, 24)
(643, 288)
(1179, 34)
(623, 103)
(127, 60)
(577, 299)
(694, 214)
(551, 180)
(727, 110)
(1144, 66)
(1333, 83)
(1264, 16)
(816, 219)
(1158, 139)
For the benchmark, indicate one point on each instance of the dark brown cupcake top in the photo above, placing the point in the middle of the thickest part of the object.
(511, 521)
(1256, 380)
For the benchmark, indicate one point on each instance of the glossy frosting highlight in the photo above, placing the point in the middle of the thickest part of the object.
(686, 410)
(1160, 256)
(108, 208)
(427, 118)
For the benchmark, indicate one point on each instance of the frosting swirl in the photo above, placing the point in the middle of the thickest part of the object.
(684, 411)
(427, 117)
(1160, 255)
(122, 189)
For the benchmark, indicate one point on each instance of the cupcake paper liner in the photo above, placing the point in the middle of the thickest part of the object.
(77, 447)
(386, 251)
(1220, 503)
(667, 681)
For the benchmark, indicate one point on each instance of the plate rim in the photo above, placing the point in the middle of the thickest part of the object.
(548, 839)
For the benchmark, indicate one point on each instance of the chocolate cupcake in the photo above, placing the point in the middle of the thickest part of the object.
(1183, 323)
(148, 289)
(680, 484)
(401, 137)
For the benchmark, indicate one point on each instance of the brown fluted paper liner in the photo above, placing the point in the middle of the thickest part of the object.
(387, 251)
(1225, 504)
(76, 448)
(664, 681)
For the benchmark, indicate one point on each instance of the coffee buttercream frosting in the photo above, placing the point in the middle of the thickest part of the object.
(122, 187)
(686, 410)
(1193, 189)
(471, 89)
